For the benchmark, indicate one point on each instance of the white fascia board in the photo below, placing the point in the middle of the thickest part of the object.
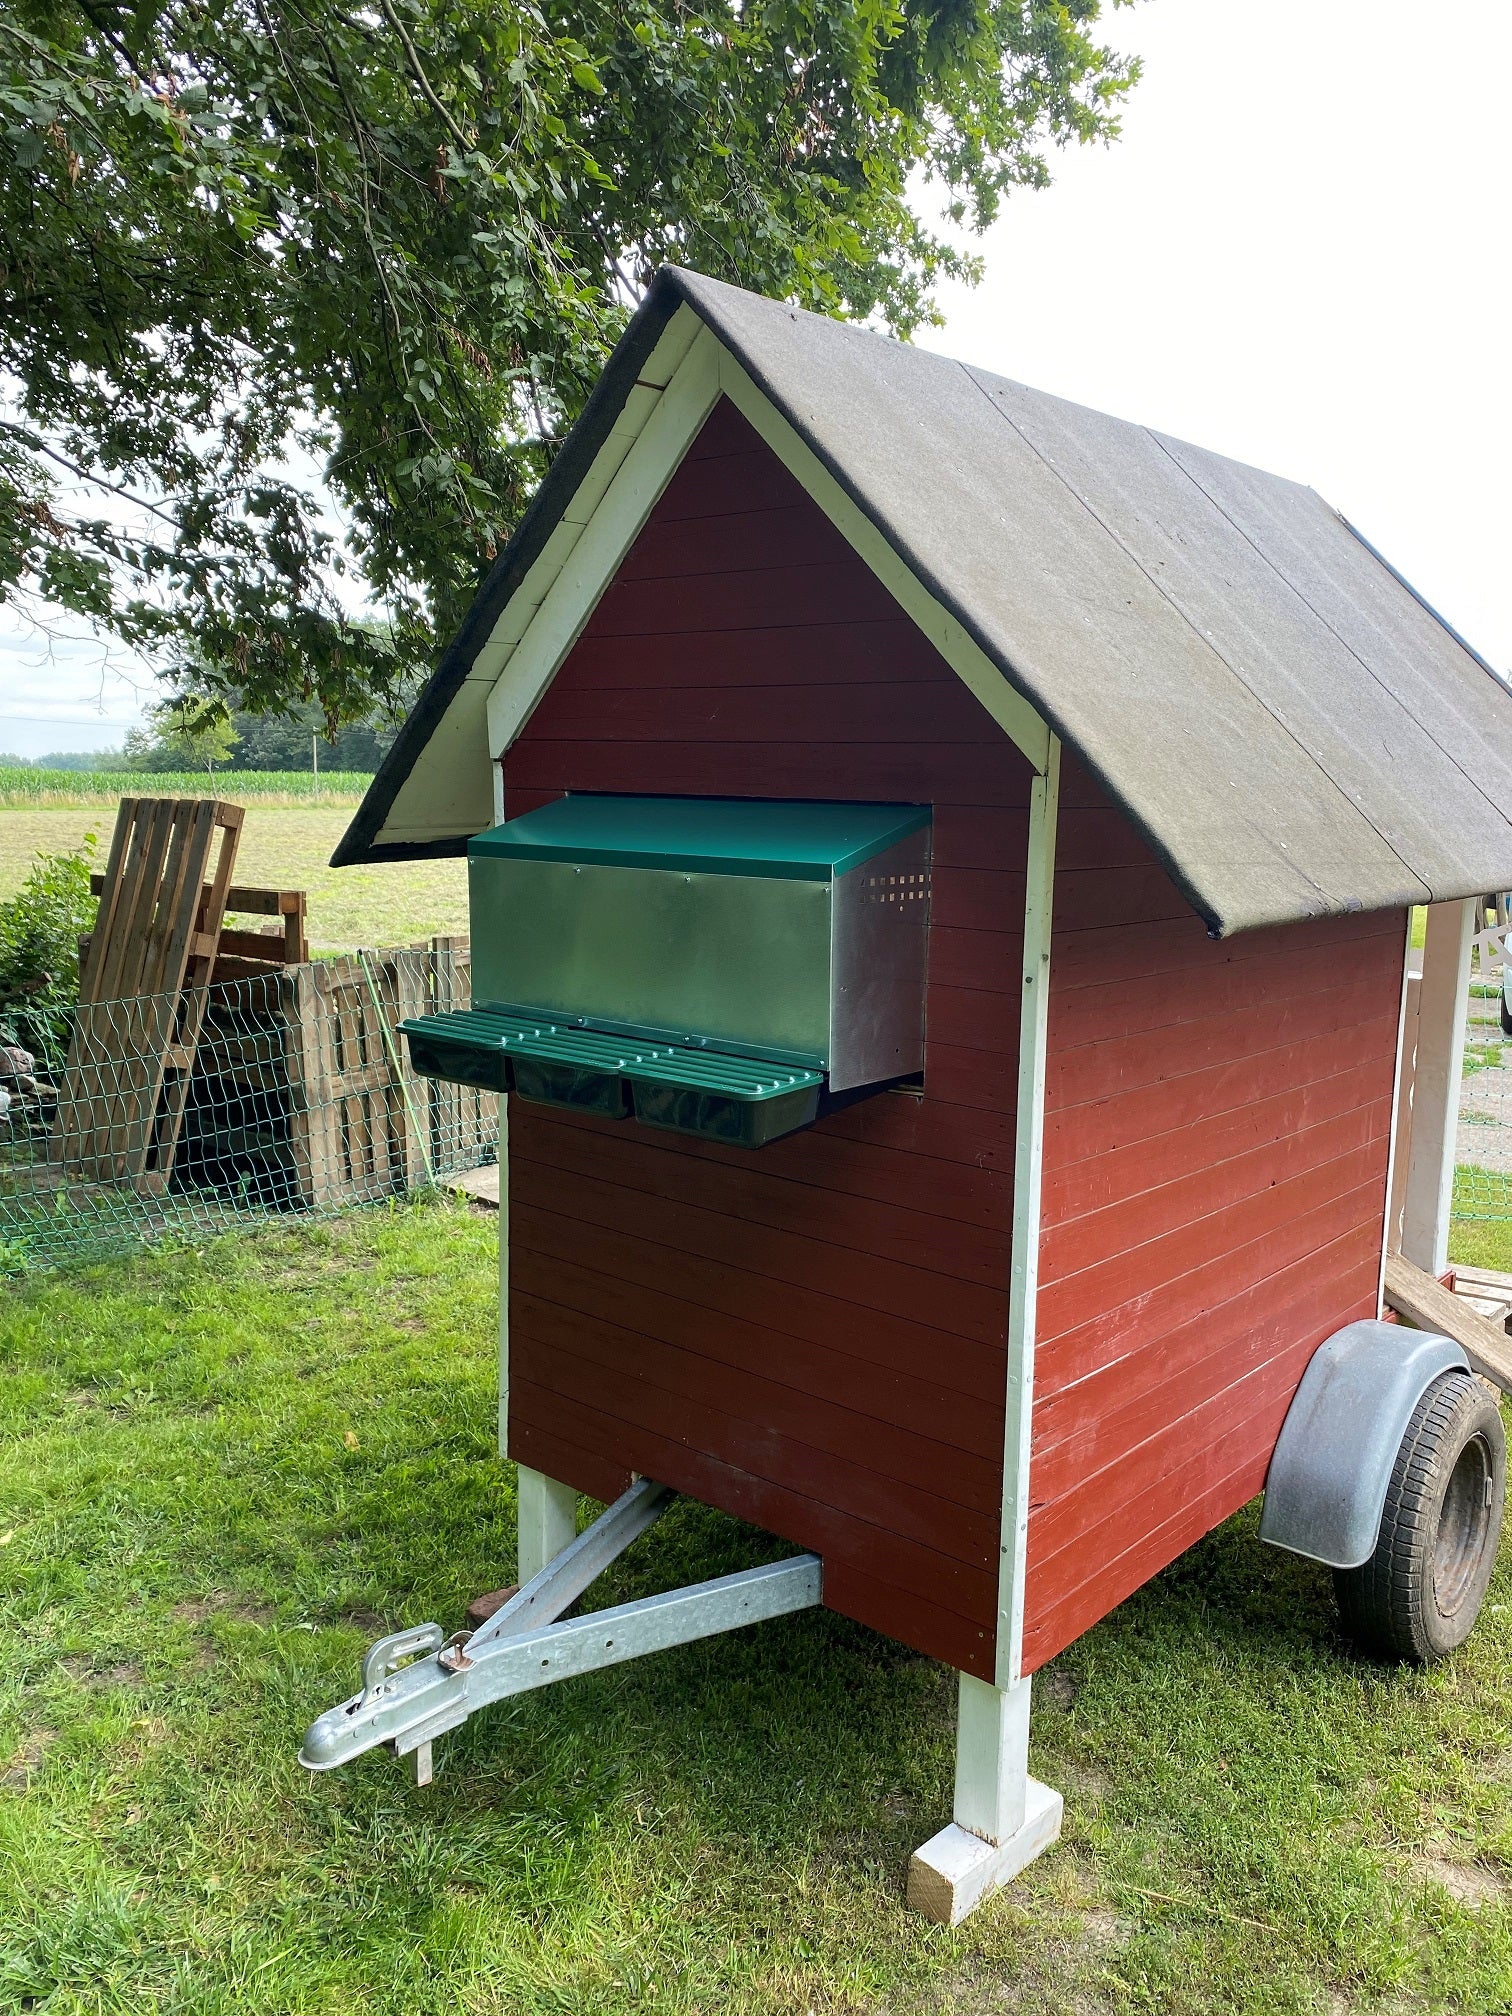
(642, 470)
(1023, 1277)
(1008, 708)
(449, 790)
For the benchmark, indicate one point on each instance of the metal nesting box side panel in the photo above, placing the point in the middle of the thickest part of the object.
(741, 960)
(879, 948)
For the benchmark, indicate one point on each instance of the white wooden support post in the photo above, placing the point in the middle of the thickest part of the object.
(1003, 1817)
(548, 1522)
(1442, 1001)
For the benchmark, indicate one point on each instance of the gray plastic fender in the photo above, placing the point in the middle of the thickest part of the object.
(1326, 1487)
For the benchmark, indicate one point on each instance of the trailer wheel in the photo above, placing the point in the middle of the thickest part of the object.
(1418, 1595)
(1506, 1012)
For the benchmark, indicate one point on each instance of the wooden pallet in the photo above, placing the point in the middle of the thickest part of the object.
(1487, 1292)
(243, 955)
(355, 1126)
(362, 1121)
(142, 991)
(453, 1114)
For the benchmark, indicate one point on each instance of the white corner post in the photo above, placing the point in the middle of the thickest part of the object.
(1004, 1818)
(1442, 999)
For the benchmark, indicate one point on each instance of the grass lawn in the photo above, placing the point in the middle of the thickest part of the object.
(282, 847)
(223, 1471)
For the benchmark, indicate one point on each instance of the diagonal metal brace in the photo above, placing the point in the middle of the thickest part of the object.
(523, 1646)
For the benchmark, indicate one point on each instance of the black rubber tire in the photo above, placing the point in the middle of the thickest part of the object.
(1506, 1014)
(1418, 1595)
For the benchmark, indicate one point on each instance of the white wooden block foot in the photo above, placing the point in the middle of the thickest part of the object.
(950, 1875)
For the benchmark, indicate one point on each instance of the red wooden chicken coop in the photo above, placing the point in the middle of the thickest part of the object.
(1035, 804)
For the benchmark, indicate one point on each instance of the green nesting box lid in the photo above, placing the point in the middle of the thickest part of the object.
(792, 839)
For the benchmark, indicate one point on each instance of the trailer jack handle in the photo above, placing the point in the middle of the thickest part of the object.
(417, 1684)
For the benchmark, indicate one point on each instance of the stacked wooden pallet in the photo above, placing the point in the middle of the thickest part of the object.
(240, 954)
(143, 990)
(225, 1059)
(1487, 1292)
(303, 1093)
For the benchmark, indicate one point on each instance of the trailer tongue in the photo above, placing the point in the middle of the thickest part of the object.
(418, 1684)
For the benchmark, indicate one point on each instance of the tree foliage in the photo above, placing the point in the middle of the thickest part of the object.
(40, 929)
(171, 741)
(308, 292)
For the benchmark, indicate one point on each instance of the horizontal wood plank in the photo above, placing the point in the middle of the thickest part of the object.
(1124, 1171)
(960, 1307)
(1148, 1112)
(913, 1570)
(1101, 1586)
(882, 651)
(1216, 1202)
(940, 1422)
(834, 1164)
(713, 1412)
(962, 773)
(906, 711)
(873, 1336)
(891, 1232)
(594, 1475)
(1429, 1305)
(1079, 1427)
(1122, 1064)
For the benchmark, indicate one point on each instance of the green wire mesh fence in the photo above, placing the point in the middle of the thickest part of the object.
(297, 1096)
(289, 1092)
(1483, 1148)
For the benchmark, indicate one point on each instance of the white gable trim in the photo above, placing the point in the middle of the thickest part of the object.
(546, 615)
(530, 642)
(447, 791)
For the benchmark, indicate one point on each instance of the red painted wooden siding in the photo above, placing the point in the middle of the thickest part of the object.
(812, 1336)
(1216, 1139)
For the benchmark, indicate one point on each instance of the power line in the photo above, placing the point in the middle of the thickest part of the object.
(70, 720)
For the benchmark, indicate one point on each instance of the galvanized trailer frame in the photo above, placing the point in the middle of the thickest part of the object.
(418, 1684)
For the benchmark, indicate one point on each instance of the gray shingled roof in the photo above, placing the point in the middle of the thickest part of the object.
(1286, 721)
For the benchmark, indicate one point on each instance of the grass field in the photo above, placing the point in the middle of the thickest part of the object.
(223, 1471)
(25, 786)
(284, 847)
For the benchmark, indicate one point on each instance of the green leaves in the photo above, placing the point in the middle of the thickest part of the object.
(305, 288)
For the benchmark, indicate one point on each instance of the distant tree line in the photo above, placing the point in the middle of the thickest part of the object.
(175, 740)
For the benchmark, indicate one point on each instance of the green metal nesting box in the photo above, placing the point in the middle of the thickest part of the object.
(693, 960)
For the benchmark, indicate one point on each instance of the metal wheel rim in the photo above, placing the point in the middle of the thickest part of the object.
(1463, 1521)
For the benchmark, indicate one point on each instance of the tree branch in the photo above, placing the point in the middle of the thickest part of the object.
(40, 447)
(417, 70)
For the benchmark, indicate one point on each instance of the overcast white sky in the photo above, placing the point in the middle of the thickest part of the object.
(1297, 254)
